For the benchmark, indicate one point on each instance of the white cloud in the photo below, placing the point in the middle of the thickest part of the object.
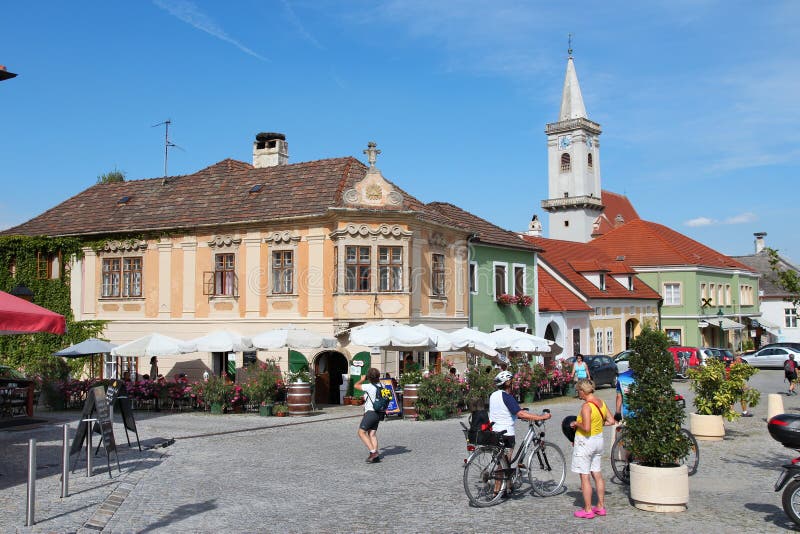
(742, 218)
(700, 221)
(191, 15)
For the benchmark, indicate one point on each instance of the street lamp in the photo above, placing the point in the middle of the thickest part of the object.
(719, 317)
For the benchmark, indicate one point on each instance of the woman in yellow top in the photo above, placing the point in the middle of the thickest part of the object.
(588, 448)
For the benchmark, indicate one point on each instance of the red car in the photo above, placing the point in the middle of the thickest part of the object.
(692, 355)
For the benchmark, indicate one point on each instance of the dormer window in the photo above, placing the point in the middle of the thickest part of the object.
(602, 281)
(630, 283)
(566, 163)
(589, 161)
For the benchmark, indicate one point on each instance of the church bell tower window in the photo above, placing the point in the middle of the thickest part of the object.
(589, 160)
(566, 163)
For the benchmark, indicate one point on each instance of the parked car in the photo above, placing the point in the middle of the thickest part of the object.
(602, 369)
(791, 344)
(724, 355)
(621, 359)
(771, 357)
(693, 355)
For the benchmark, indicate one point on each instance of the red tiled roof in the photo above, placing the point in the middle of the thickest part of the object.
(614, 205)
(555, 297)
(646, 243)
(584, 266)
(485, 231)
(218, 194)
(561, 255)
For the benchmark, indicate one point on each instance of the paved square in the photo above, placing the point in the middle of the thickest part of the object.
(244, 473)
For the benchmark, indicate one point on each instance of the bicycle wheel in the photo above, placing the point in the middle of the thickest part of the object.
(547, 469)
(620, 459)
(692, 459)
(484, 476)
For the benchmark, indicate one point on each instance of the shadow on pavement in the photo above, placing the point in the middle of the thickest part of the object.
(772, 514)
(394, 449)
(180, 513)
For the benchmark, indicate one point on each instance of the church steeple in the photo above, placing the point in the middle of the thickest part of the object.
(573, 162)
(571, 98)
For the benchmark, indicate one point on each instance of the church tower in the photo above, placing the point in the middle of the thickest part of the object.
(573, 164)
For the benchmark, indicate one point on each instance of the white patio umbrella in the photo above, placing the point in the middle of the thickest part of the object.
(294, 338)
(222, 341)
(516, 341)
(153, 345)
(440, 340)
(86, 348)
(469, 338)
(389, 334)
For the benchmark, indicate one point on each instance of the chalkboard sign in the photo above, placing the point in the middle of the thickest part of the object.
(113, 391)
(101, 404)
(86, 413)
(107, 433)
(393, 408)
(96, 402)
(128, 422)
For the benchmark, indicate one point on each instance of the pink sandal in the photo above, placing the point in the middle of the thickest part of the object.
(599, 511)
(583, 514)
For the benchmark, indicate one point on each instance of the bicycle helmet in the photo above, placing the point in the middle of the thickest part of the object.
(502, 377)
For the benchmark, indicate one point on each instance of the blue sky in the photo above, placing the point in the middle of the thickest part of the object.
(697, 99)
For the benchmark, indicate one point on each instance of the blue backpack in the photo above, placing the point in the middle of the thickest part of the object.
(382, 398)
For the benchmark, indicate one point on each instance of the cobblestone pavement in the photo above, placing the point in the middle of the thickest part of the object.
(244, 473)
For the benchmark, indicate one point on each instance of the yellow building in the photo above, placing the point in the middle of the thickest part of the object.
(324, 245)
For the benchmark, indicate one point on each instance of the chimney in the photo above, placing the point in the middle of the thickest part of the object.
(270, 150)
(760, 241)
(535, 227)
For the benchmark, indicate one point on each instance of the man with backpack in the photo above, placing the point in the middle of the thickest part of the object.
(790, 370)
(376, 400)
(504, 410)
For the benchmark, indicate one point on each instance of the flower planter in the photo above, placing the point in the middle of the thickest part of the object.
(280, 414)
(569, 390)
(265, 410)
(216, 408)
(707, 427)
(530, 396)
(660, 489)
(438, 414)
(299, 399)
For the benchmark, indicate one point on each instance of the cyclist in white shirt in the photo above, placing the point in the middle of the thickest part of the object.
(504, 410)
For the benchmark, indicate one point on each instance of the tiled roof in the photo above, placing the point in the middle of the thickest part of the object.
(645, 243)
(615, 205)
(768, 281)
(486, 232)
(219, 194)
(560, 255)
(586, 266)
(555, 297)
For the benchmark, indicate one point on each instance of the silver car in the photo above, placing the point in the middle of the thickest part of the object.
(771, 357)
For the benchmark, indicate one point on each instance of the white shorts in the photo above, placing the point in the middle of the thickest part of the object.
(586, 454)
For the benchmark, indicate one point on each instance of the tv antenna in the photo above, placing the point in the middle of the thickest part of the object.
(167, 144)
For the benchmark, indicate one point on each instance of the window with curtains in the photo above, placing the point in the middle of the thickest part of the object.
(437, 273)
(357, 269)
(390, 269)
(282, 272)
(224, 274)
(598, 342)
(122, 277)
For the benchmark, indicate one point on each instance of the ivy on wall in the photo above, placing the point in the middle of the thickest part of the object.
(32, 353)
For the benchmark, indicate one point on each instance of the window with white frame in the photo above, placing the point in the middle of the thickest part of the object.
(500, 279)
(610, 341)
(224, 274)
(390, 269)
(674, 335)
(790, 317)
(602, 281)
(703, 293)
(473, 277)
(122, 277)
(746, 295)
(358, 262)
(437, 274)
(712, 290)
(727, 294)
(282, 272)
(519, 280)
(598, 342)
(672, 294)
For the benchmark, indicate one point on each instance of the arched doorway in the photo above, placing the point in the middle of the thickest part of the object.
(329, 366)
(551, 333)
(630, 332)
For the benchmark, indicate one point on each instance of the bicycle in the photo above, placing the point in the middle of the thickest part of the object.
(488, 475)
(621, 457)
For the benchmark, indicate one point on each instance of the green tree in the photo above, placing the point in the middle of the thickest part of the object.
(111, 177)
(654, 431)
(788, 279)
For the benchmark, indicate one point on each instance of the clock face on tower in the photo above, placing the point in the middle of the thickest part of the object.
(589, 142)
(564, 141)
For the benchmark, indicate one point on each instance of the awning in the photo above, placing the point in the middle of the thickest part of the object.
(726, 324)
(767, 324)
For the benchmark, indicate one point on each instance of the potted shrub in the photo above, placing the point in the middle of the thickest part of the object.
(280, 410)
(217, 394)
(654, 436)
(410, 381)
(716, 391)
(438, 396)
(479, 385)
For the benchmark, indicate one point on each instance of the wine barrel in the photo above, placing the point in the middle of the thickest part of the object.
(299, 399)
(410, 400)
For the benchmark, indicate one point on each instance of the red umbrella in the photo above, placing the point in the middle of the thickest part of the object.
(19, 316)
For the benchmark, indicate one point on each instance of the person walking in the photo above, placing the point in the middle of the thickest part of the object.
(790, 372)
(368, 428)
(580, 371)
(588, 448)
(154, 368)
